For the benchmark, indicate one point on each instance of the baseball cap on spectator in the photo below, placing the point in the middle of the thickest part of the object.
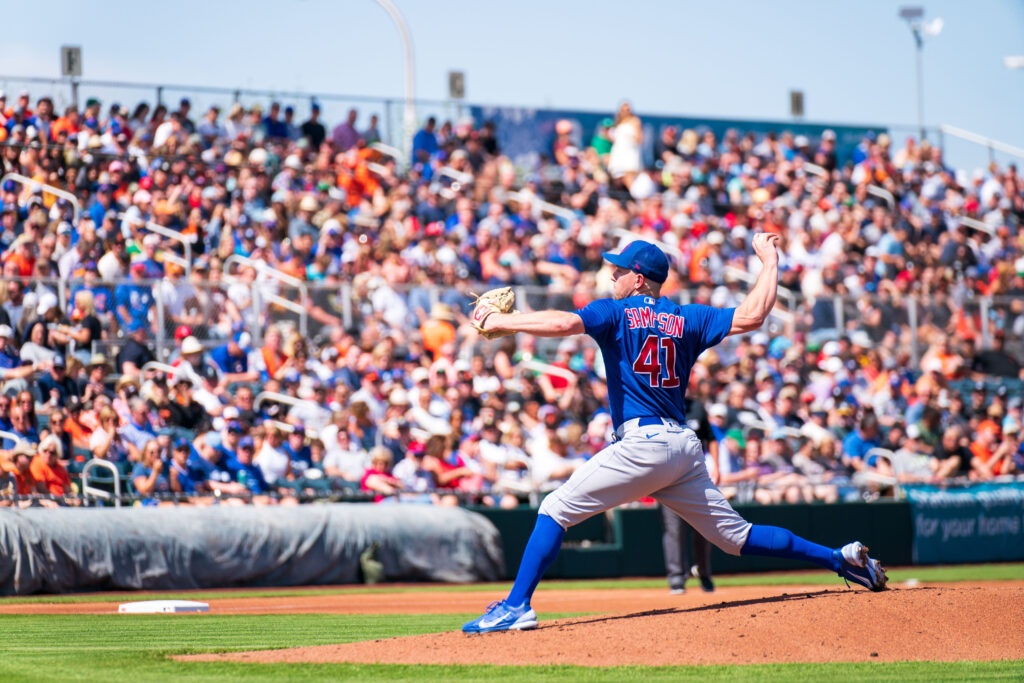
(242, 338)
(420, 374)
(718, 410)
(398, 397)
(191, 345)
(759, 339)
(832, 364)
(181, 332)
(979, 387)
(861, 338)
(641, 257)
(246, 442)
(138, 267)
(64, 228)
(234, 426)
(6, 332)
(46, 302)
(182, 445)
(59, 362)
(230, 413)
(715, 237)
(831, 348)
(308, 203)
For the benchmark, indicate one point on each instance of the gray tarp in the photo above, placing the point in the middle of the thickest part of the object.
(55, 551)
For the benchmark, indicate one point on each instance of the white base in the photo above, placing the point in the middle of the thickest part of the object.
(163, 607)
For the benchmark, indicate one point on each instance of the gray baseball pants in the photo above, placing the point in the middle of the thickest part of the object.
(663, 461)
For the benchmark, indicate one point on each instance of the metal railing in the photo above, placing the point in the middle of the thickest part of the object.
(76, 208)
(984, 141)
(93, 492)
(11, 436)
(977, 225)
(264, 271)
(545, 207)
(168, 233)
(276, 397)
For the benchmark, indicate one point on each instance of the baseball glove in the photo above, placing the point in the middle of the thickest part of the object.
(500, 300)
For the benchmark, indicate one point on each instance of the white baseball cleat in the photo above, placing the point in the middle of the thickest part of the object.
(856, 566)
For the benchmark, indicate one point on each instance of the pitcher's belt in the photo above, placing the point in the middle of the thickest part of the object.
(638, 422)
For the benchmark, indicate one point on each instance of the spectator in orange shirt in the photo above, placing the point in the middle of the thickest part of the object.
(23, 256)
(273, 357)
(949, 361)
(46, 467)
(983, 463)
(70, 123)
(438, 330)
(20, 467)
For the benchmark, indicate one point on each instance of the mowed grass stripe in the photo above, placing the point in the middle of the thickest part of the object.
(953, 573)
(136, 648)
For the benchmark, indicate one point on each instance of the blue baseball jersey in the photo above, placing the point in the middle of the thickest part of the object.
(649, 346)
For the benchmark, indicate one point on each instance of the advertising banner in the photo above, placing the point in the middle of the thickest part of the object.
(982, 523)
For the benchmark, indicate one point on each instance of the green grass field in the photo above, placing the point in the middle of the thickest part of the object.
(965, 572)
(136, 648)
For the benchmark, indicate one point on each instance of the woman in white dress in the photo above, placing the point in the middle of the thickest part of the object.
(627, 135)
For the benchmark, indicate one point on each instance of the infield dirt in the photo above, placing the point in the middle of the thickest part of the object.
(974, 621)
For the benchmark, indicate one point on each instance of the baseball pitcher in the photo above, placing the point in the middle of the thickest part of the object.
(649, 345)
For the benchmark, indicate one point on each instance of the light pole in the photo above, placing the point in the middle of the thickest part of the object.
(409, 110)
(919, 28)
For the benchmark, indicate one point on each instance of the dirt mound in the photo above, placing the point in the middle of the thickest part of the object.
(941, 623)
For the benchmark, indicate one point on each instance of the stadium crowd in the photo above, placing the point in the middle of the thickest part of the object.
(391, 393)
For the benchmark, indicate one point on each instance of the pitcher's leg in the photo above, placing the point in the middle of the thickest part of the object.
(541, 550)
(775, 541)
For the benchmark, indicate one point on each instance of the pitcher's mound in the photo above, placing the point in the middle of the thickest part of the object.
(929, 623)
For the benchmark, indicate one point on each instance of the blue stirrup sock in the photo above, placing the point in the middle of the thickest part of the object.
(775, 541)
(541, 551)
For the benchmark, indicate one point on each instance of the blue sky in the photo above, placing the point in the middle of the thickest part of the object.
(729, 58)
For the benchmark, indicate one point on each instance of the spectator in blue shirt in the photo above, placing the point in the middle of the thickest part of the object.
(178, 473)
(138, 432)
(858, 442)
(101, 204)
(148, 475)
(249, 474)
(20, 427)
(424, 143)
(210, 469)
(134, 298)
(232, 359)
(297, 450)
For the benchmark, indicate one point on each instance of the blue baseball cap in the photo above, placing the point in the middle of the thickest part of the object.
(641, 257)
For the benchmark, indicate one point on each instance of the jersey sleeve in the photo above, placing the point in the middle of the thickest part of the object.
(710, 325)
(600, 318)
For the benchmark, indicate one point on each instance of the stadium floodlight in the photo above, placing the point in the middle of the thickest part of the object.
(409, 110)
(933, 27)
(1014, 62)
(919, 28)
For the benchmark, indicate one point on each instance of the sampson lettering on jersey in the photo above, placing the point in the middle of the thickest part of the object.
(666, 323)
(649, 347)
